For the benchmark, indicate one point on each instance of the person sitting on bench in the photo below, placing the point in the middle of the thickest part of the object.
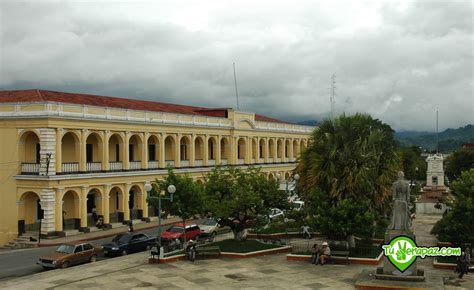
(315, 252)
(325, 253)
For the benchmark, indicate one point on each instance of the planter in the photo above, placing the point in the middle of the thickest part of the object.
(285, 249)
(339, 260)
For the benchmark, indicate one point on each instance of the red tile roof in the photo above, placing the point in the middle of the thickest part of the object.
(19, 96)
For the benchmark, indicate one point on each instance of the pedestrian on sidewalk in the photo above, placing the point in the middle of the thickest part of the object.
(130, 226)
(461, 266)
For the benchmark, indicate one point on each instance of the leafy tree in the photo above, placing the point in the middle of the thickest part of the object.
(352, 156)
(353, 161)
(458, 225)
(347, 218)
(236, 197)
(458, 162)
(414, 166)
(187, 200)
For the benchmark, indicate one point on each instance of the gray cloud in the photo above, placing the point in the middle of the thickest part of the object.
(399, 64)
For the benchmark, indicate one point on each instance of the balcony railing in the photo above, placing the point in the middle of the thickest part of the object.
(115, 165)
(184, 163)
(169, 162)
(30, 168)
(93, 166)
(153, 164)
(211, 162)
(70, 167)
(198, 162)
(240, 161)
(135, 165)
(223, 161)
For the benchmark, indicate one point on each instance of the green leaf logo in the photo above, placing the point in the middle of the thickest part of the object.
(401, 256)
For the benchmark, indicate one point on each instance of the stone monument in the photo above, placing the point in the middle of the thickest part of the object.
(400, 225)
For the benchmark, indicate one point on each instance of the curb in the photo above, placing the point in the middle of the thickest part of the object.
(104, 236)
(339, 260)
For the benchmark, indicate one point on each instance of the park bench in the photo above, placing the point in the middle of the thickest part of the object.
(208, 252)
(344, 254)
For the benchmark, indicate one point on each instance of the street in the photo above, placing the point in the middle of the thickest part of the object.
(22, 262)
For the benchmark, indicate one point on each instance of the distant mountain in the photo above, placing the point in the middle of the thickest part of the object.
(308, 122)
(449, 139)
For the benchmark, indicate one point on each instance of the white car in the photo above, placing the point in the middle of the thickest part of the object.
(212, 228)
(298, 205)
(275, 214)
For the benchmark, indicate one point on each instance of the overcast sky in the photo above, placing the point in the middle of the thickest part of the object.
(399, 61)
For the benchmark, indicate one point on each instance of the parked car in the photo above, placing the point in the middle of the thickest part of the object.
(298, 205)
(127, 243)
(275, 214)
(69, 254)
(212, 227)
(177, 231)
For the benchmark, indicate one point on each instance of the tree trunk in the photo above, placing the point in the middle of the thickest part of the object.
(239, 234)
(351, 241)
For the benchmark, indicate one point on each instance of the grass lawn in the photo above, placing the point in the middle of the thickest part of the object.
(246, 246)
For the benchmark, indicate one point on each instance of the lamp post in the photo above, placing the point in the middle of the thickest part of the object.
(171, 190)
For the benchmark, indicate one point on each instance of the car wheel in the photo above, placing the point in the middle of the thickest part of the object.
(65, 265)
(93, 258)
(124, 253)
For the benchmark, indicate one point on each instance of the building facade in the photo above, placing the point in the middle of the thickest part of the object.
(68, 153)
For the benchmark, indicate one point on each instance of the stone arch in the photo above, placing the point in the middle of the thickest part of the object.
(241, 150)
(170, 149)
(271, 148)
(94, 149)
(70, 152)
(153, 144)
(135, 202)
(271, 176)
(29, 152)
(184, 150)
(199, 150)
(225, 150)
(254, 150)
(29, 208)
(116, 204)
(211, 148)
(94, 200)
(262, 149)
(135, 143)
(71, 210)
(287, 148)
(279, 148)
(287, 176)
(246, 124)
(296, 149)
(115, 148)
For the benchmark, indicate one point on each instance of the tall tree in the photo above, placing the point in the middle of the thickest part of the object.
(187, 200)
(458, 162)
(236, 197)
(351, 159)
(458, 225)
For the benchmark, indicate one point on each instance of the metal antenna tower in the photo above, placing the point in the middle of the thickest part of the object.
(333, 94)
(236, 93)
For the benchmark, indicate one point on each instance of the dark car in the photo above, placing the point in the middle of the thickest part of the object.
(128, 243)
(69, 254)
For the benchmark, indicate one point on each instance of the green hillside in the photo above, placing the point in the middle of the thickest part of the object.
(449, 140)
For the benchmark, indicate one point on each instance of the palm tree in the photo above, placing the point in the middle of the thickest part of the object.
(351, 157)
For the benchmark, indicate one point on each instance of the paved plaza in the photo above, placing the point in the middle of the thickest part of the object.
(268, 272)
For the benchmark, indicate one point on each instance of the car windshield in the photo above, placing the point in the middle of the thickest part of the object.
(121, 239)
(297, 205)
(67, 249)
(209, 222)
(174, 229)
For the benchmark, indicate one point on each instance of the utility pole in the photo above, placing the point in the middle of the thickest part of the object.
(437, 134)
(333, 94)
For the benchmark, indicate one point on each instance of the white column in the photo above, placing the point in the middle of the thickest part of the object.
(48, 204)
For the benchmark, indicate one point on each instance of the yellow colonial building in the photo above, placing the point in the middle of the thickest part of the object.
(68, 153)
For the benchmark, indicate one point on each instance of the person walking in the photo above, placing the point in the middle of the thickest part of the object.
(306, 233)
(191, 250)
(461, 266)
(315, 252)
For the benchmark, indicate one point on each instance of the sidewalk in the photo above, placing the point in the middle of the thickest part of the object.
(95, 235)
